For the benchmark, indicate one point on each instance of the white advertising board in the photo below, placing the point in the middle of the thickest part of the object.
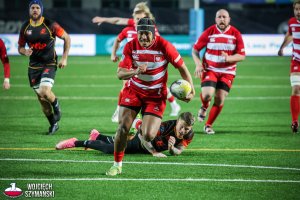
(81, 44)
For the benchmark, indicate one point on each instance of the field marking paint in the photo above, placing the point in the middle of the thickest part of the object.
(190, 149)
(152, 163)
(284, 86)
(114, 98)
(151, 179)
(113, 76)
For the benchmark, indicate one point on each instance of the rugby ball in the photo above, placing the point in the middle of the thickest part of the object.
(180, 89)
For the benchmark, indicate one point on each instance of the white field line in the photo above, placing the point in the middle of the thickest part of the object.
(106, 60)
(151, 163)
(114, 98)
(151, 179)
(120, 85)
(114, 76)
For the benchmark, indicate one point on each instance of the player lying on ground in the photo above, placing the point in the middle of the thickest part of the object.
(173, 135)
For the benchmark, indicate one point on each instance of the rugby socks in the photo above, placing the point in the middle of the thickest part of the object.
(205, 104)
(118, 156)
(80, 143)
(106, 139)
(51, 119)
(295, 107)
(171, 99)
(136, 124)
(55, 104)
(213, 114)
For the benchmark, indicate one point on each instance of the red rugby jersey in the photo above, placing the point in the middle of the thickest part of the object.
(217, 41)
(156, 56)
(4, 59)
(294, 30)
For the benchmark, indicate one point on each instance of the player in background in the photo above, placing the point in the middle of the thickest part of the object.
(141, 10)
(6, 65)
(144, 64)
(293, 34)
(39, 34)
(224, 48)
(173, 135)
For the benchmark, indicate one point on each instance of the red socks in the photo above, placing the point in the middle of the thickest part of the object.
(213, 114)
(205, 104)
(295, 108)
(118, 156)
(171, 99)
(138, 124)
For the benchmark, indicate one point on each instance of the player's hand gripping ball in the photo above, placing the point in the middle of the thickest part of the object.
(180, 89)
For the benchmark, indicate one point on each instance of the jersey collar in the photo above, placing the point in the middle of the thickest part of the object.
(41, 20)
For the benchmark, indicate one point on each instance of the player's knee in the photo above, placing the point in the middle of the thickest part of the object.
(123, 130)
(149, 137)
(44, 93)
(219, 101)
(207, 97)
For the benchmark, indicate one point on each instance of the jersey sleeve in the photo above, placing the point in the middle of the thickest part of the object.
(289, 26)
(172, 54)
(240, 48)
(126, 60)
(57, 30)
(202, 41)
(122, 35)
(22, 41)
(4, 59)
(130, 22)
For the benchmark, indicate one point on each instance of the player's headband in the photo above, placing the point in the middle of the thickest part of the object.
(146, 24)
(39, 2)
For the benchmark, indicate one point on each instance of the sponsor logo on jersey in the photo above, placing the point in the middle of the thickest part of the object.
(295, 67)
(127, 100)
(29, 32)
(159, 143)
(43, 31)
(156, 108)
(157, 58)
(135, 56)
(38, 45)
(46, 71)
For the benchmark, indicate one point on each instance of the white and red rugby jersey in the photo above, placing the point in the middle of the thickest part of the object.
(294, 30)
(157, 56)
(217, 41)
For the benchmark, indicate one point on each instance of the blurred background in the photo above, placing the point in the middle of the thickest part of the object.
(263, 23)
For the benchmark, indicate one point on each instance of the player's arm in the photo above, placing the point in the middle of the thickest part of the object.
(111, 20)
(23, 51)
(185, 74)
(150, 148)
(239, 54)
(287, 39)
(67, 43)
(115, 48)
(198, 63)
(174, 150)
(125, 74)
(233, 58)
